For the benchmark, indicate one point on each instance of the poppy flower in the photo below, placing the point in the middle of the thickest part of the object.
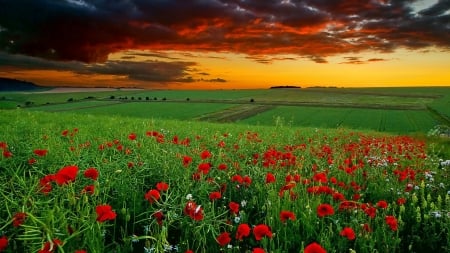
(287, 215)
(91, 173)
(7, 154)
(152, 196)
(215, 195)
(320, 177)
(3, 145)
(132, 136)
(223, 239)
(258, 250)
(234, 207)
(205, 154)
(45, 183)
(40, 152)
(104, 213)
(261, 230)
(247, 180)
(189, 251)
(80, 251)
(314, 248)
(89, 189)
(204, 168)
(401, 201)
(187, 160)
(237, 178)
(270, 178)
(324, 210)
(243, 230)
(222, 166)
(391, 221)
(162, 186)
(192, 210)
(66, 175)
(3, 243)
(50, 247)
(382, 204)
(19, 219)
(348, 232)
(159, 216)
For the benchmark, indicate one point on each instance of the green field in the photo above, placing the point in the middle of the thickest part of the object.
(396, 110)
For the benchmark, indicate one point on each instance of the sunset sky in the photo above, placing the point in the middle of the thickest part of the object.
(226, 44)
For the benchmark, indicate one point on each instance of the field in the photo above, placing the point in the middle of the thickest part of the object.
(394, 110)
(90, 183)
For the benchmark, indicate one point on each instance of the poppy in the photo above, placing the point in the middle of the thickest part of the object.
(40, 152)
(187, 160)
(348, 232)
(205, 154)
(45, 183)
(314, 248)
(152, 196)
(401, 201)
(7, 154)
(287, 215)
(247, 180)
(261, 230)
(382, 204)
(391, 221)
(204, 168)
(234, 207)
(66, 175)
(258, 250)
(222, 166)
(237, 178)
(270, 178)
(243, 230)
(215, 195)
(162, 186)
(159, 216)
(3, 243)
(19, 219)
(80, 251)
(189, 251)
(49, 247)
(104, 213)
(223, 239)
(90, 189)
(91, 173)
(324, 210)
(132, 136)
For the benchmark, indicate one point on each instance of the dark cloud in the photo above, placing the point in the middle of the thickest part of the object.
(89, 30)
(359, 60)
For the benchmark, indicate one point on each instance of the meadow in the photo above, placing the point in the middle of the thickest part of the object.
(77, 182)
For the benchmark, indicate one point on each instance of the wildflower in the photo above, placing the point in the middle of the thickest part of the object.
(237, 178)
(314, 248)
(19, 219)
(382, 204)
(50, 247)
(162, 186)
(223, 239)
(401, 201)
(259, 231)
(324, 210)
(258, 250)
(234, 207)
(287, 215)
(187, 160)
(222, 166)
(214, 195)
(66, 175)
(243, 230)
(40, 152)
(89, 189)
(391, 221)
(320, 177)
(3, 243)
(348, 232)
(189, 251)
(91, 173)
(192, 210)
(204, 168)
(132, 136)
(247, 180)
(270, 178)
(205, 155)
(7, 154)
(80, 251)
(45, 183)
(104, 213)
(189, 197)
(237, 219)
(152, 196)
(159, 216)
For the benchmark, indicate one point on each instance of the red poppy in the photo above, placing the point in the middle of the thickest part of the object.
(152, 196)
(287, 215)
(7, 154)
(237, 178)
(401, 201)
(261, 230)
(162, 186)
(104, 213)
(3, 243)
(205, 154)
(40, 152)
(159, 216)
(247, 180)
(234, 207)
(215, 195)
(320, 177)
(204, 168)
(132, 136)
(89, 189)
(19, 219)
(91, 173)
(223, 239)
(222, 166)
(314, 248)
(324, 210)
(243, 230)
(64, 132)
(370, 211)
(66, 175)
(187, 160)
(189, 251)
(3, 145)
(348, 232)
(270, 178)
(32, 161)
(45, 183)
(382, 204)
(192, 210)
(50, 247)
(258, 250)
(391, 221)
(80, 251)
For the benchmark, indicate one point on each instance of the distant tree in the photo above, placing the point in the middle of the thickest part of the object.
(252, 100)
(28, 103)
(164, 99)
(112, 97)
(139, 98)
(70, 100)
(132, 98)
(187, 99)
(147, 98)
(155, 98)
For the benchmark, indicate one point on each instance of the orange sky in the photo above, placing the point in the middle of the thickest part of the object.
(226, 44)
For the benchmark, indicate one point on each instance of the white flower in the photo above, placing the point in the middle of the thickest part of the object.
(237, 219)
(436, 214)
(189, 196)
(243, 203)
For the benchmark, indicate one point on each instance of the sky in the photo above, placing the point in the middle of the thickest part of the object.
(226, 44)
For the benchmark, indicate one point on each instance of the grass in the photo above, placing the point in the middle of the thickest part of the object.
(158, 176)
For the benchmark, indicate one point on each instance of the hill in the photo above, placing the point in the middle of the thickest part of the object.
(8, 84)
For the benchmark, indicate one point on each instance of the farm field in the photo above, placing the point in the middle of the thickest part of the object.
(91, 183)
(396, 110)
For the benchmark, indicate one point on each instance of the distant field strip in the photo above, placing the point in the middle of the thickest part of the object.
(71, 106)
(235, 113)
(400, 121)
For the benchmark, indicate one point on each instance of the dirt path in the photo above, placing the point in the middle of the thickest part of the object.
(235, 113)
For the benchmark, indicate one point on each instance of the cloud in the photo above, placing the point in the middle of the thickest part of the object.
(89, 30)
(359, 60)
